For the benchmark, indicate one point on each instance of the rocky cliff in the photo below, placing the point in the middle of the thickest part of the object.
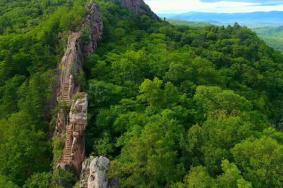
(138, 7)
(71, 123)
(73, 103)
(94, 173)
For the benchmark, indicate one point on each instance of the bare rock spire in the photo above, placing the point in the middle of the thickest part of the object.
(95, 173)
(71, 123)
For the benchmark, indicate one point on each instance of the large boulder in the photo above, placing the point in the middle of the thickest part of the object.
(94, 173)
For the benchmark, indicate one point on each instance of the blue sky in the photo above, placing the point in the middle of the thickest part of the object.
(227, 6)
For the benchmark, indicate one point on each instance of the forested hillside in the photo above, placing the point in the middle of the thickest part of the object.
(32, 40)
(170, 106)
(273, 36)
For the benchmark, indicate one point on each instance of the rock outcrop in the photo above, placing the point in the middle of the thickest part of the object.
(94, 25)
(73, 104)
(74, 150)
(94, 173)
(138, 7)
(71, 124)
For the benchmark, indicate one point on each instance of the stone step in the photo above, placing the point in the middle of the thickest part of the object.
(68, 145)
(67, 156)
(69, 159)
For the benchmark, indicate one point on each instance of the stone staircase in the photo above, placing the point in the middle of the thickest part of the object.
(68, 69)
(65, 96)
(67, 154)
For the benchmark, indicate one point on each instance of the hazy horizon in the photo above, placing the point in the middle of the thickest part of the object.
(214, 6)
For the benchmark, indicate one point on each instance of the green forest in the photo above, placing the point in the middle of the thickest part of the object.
(170, 105)
(273, 36)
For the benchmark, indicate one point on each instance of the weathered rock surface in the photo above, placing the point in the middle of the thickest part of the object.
(93, 24)
(69, 67)
(74, 150)
(94, 174)
(71, 123)
(70, 126)
(138, 7)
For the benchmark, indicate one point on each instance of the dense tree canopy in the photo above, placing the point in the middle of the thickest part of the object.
(171, 106)
(32, 37)
(179, 106)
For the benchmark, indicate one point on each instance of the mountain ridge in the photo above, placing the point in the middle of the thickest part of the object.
(252, 19)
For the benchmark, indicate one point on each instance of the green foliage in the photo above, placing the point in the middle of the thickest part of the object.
(273, 36)
(62, 178)
(149, 154)
(32, 37)
(214, 99)
(260, 161)
(199, 177)
(171, 106)
(231, 177)
(4, 182)
(58, 146)
(40, 180)
(20, 155)
(169, 100)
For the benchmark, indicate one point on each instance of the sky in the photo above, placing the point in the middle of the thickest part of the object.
(220, 6)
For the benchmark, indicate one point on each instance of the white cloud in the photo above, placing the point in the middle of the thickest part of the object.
(178, 6)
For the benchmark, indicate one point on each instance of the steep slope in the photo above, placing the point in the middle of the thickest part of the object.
(180, 103)
(71, 126)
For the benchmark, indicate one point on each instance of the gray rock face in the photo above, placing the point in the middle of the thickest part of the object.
(70, 65)
(94, 173)
(94, 24)
(70, 127)
(138, 7)
(78, 112)
(74, 148)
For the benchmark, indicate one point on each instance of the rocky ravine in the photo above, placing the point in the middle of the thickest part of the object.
(73, 103)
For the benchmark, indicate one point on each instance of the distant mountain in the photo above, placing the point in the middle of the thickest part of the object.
(273, 36)
(254, 19)
(187, 23)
